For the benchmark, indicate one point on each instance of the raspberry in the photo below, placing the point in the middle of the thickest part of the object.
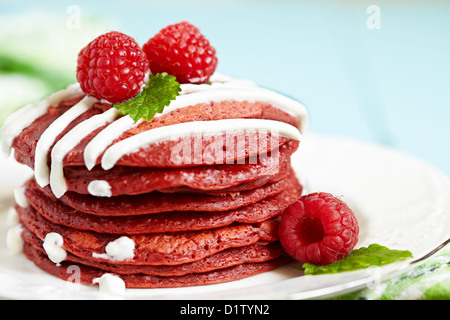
(318, 228)
(112, 67)
(181, 50)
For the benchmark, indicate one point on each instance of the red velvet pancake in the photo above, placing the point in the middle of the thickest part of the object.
(199, 209)
(155, 248)
(60, 213)
(258, 252)
(88, 274)
(132, 180)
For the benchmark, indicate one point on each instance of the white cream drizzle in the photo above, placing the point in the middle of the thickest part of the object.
(99, 188)
(70, 140)
(12, 217)
(72, 91)
(20, 198)
(14, 241)
(222, 88)
(41, 169)
(217, 81)
(25, 116)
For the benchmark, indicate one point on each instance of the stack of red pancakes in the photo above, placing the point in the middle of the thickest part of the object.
(190, 210)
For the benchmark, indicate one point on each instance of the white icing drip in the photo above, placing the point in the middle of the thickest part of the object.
(19, 197)
(53, 243)
(126, 146)
(14, 241)
(25, 116)
(110, 283)
(104, 138)
(48, 137)
(250, 94)
(70, 140)
(99, 188)
(118, 250)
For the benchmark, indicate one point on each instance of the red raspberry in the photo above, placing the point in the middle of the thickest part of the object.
(112, 67)
(181, 50)
(318, 228)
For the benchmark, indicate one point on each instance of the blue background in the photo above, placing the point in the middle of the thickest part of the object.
(389, 85)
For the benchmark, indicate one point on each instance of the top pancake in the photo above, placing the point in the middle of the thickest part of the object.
(161, 154)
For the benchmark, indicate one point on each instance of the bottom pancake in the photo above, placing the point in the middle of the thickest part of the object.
(87, 275)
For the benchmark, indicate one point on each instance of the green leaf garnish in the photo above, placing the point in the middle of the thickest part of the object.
(157, 94)
(373, 255)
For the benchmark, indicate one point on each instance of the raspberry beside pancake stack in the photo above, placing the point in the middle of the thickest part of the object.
(187, 208)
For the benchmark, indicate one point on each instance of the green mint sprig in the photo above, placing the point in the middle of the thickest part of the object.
(373, 255)
(156, 95)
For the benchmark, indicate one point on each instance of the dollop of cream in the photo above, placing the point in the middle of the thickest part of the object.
(118, 250)
(110, 283)
(53, 243)
(19, 197)
(14, 241)
(99, 188)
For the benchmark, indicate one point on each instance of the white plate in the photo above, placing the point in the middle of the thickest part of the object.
(400, 202)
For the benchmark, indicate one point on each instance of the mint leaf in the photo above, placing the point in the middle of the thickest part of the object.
(373, 255)
(157, 94)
